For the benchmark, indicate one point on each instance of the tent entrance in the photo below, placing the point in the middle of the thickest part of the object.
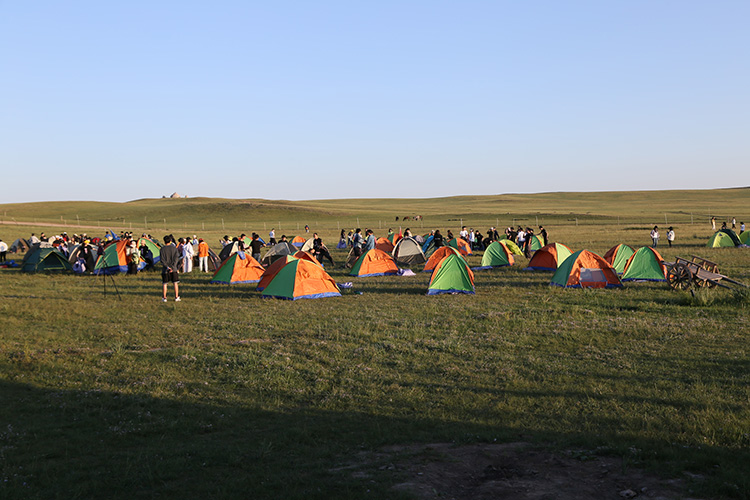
(592, 275)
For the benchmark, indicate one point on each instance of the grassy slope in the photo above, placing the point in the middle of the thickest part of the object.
(227, 394)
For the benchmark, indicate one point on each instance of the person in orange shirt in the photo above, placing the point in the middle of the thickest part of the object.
(202, 255)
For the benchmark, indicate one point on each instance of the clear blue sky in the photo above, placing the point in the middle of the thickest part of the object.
(331, 99)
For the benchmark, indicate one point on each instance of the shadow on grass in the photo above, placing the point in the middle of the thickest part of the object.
(94, 444)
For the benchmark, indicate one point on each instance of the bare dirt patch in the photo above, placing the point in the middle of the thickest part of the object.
(515, 471)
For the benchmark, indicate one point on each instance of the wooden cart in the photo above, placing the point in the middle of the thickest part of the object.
(683, 274)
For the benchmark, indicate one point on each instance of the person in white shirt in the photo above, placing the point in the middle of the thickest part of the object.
(670, 236)
(187, 256)
(655, 236)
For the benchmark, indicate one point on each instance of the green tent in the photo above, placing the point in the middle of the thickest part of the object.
(744, 238)
(536, 243)
(724, 238)
(618, 256)
(511, 246)
(496, 255)
(645, 265)
(154, 247)
(38, 260)
(301, 279)
(549, 257)
(584, 269)
(452, 275)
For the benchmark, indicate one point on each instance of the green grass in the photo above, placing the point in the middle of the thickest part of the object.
(228, 395)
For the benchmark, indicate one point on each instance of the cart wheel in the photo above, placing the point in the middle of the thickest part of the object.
(679, 277)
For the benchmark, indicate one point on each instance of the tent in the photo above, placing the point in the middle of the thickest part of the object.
(155, 248)
(549, 257)
(496, 255)
(374, 263)
(585, 269)
(298, 241)
(39, 259)
(301, 279)
(272, 270)
(724, 238)
(394, 237)
(76, 250)
(114, 259)
(308, 246)
(744, 238)
(408, 252)
(461, 245)
(277, 251)
(428, 247)
(19, 246)
(536, 243)
(439, 255)
(229, 249)
(618, 256)
(384, 244)
(452, 275)
(307, 256)
(511, 246)
(238, 268)
(645, 265)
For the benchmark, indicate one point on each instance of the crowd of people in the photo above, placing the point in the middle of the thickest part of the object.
(178, 254)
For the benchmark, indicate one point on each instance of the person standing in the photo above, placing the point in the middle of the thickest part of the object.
(543, 234)
(670, 236)
(357, 242)
(520, 238)
(202, 255)
(170, 258)
(272, 237)
(187, 256)
(655, 236)
(255, 246)
(742, 227)
(370, 241)
(437, 239)
(3, 250)
(713, 223)
(734, 223)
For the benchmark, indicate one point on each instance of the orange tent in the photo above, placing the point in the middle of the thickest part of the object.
(374, 263)
(298, 241)
(461, 245)
(272, 270)
(549, 257)
(437, 256)
(238, 268)
(585, 269)
(384, 244)
(307, 256)
(301, 279)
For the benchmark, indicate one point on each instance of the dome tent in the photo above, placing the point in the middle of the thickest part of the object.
(618, 256)
(301, 279)
(645, 265)
(496, 255)
(585, 269)
(451, 275)
(549, 257)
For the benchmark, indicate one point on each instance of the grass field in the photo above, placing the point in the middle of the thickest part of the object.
(228, 395)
